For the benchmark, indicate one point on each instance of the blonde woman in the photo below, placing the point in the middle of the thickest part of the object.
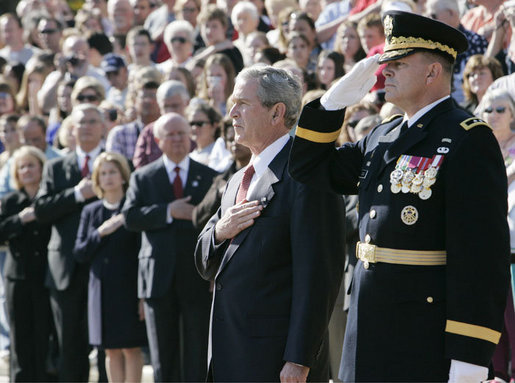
(28, 304)
(115, 317)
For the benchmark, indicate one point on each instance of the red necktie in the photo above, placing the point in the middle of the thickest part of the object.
(85, 167)
(177, 183)
(245, 183)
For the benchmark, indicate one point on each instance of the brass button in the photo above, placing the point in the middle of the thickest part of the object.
(379, 188)
(429, 299)
(372, 213)
(366, 265)
(357, 184)
(219, 286)
(367, 238)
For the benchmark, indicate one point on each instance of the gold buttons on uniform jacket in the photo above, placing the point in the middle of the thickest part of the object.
(429, 299)
(379, 188)
(367, 238)
(372, 213)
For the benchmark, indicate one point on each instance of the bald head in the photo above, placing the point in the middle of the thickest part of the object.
(172, 134)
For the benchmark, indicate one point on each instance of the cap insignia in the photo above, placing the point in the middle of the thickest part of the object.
(388, 26)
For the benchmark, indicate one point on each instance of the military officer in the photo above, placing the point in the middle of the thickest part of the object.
(430, 285)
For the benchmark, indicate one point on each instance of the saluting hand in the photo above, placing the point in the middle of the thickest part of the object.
(237, 219)
(294, 373)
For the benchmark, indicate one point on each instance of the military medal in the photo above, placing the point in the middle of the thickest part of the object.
(397, 174)
(425, 193)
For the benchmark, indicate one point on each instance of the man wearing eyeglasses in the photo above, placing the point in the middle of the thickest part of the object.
(65, 190)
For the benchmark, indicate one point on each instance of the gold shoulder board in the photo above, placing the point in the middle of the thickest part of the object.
(471, 122)
(388, 119)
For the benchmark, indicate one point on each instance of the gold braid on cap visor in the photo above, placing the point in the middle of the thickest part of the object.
(402, 42)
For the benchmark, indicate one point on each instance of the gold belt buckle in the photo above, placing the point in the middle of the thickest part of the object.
(367, 254)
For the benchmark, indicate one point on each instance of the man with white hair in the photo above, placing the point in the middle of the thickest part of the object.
(172, 96)
(176, 298)
(448, 12)
(274, 249)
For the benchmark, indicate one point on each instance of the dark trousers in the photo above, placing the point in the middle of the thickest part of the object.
(69, 308)
(176, 322)
(505, 350)
(30, 322)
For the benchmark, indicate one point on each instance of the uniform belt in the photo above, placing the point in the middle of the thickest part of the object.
(372, 254)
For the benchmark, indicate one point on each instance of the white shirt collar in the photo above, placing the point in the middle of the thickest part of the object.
(263, 159)
(423, 111)
(170, 165)
(92, 154)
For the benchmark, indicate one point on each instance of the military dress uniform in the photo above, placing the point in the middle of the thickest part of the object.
(431, 281)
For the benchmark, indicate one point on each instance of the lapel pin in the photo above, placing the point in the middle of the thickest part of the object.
(448, 140)
(420, 125)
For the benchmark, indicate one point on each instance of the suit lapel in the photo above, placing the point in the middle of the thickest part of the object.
(193, 182)
(71, 167)
(416, 133)
(263, 191)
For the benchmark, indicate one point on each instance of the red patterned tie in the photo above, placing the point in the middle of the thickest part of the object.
(177, 183)
(85, 167)
(245, 183)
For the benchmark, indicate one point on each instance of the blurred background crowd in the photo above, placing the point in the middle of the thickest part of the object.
(131, 61)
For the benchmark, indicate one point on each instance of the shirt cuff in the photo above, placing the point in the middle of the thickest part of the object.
(463, 372)
(78, 195)
(169, 218)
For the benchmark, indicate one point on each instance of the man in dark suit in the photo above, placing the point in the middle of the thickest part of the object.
(430, 285)
(276, 261)
(159, 203)
(65, 189)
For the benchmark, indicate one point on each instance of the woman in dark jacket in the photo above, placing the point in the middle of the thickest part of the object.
(28, 304)
(115, 318)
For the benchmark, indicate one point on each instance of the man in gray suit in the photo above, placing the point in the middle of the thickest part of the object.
(277, 260)
(65, 189)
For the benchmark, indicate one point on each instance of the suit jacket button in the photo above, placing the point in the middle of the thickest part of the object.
(372, 213)
(429, 299)
(379, 188)
(367, 238)
(219, 286)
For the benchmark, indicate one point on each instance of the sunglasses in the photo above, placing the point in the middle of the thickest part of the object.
(353, 124)
(181, 40)
(199, 123)
(87, 97)
(48, 31)
(499, 109)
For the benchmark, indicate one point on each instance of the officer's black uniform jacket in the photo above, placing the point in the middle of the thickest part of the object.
(407, 322)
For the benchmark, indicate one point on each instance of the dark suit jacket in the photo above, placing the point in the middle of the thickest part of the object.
(276, 282)
(56, 205)
(27, 257)
(165, 247)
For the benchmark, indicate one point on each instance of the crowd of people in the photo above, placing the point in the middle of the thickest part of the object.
(117, 143)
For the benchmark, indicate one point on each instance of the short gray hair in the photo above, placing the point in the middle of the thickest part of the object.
(276, 85)
(176, 26)
(244, 7)
(171, 88)
(496, 95)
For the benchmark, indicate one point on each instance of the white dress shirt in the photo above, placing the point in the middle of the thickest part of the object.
(263, 159)
(81, 157)
(423, 111)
